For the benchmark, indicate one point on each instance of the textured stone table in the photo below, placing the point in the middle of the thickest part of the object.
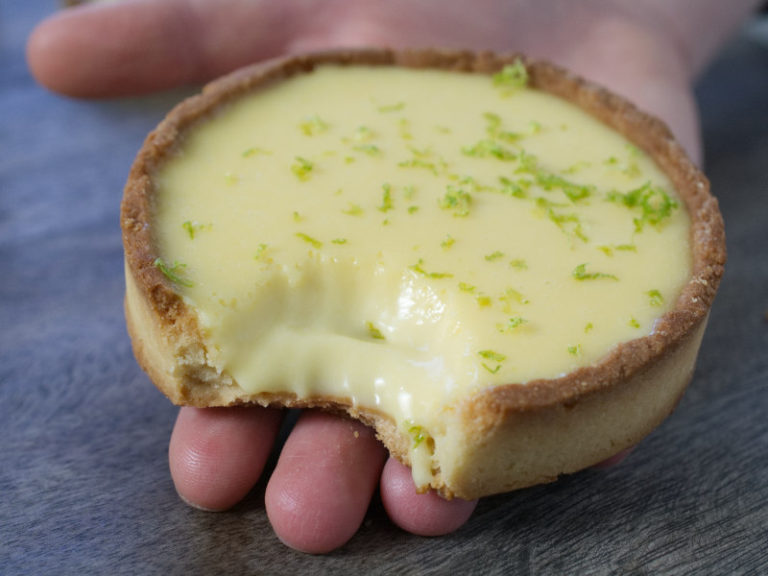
(84, 483)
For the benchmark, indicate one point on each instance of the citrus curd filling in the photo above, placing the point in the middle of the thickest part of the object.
(399, 239)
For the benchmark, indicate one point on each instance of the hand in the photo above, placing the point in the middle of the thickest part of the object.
(329, 467)
(322, 485)
(138, 46)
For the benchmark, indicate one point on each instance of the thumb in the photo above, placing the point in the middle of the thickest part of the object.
(139, 46)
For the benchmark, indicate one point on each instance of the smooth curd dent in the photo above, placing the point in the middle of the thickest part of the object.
(402, 239)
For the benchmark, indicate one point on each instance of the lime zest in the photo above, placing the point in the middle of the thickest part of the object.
(173, 272)
(309, 240)
(511, 78)
(302, 168)
(193, 227)
(580, 273)
(353, 210)
(419, 269)
(386, 198)
(254, 150)
(655, 297)
(313, 125)
(374, 332)
(653, 202)
(456, 200)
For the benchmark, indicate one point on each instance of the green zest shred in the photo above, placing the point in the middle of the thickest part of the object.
(173, 272)
(494, 357)
(416, 433)
(483, 301)
(574, 192)
(568, 223)
(448, 241)
(419, 269)
(374, 332)
(456, 200)
(511, 78)
(656, 299)
(260, 254)
(253, 151)
(489, 148)
(419, 163)
(353, 210)
(511, 295)
(309, 240)
(313, 125)
(512, 324)
(302, 168)
(580, 273)
(608, 250)
(363, 134)
(515, 189)
(193, 227)
(494, 131)
(527, 163)
(386, 199)
(491, 355)
(653, 203)
(424, 159)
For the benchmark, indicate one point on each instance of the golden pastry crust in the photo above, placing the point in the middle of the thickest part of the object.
(506, 437)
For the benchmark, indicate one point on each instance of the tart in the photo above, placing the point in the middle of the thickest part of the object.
(502, 268)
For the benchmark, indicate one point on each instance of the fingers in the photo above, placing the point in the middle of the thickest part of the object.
(216, 455)
(429, 514)
(320, 490)
(139, 46)
(423, 514)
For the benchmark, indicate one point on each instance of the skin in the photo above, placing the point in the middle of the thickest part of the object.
(329, 468)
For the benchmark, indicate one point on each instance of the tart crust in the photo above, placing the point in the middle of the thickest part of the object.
(506, 437)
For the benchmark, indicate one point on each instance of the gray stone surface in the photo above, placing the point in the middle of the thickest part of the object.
(84, 483)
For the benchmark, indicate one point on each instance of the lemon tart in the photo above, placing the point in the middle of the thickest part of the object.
(503, 269)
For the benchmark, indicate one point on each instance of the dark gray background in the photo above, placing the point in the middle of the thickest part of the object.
(84, 482)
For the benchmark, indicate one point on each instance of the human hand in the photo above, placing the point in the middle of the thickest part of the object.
(322, 485)
(139, 46)
(329, 468)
